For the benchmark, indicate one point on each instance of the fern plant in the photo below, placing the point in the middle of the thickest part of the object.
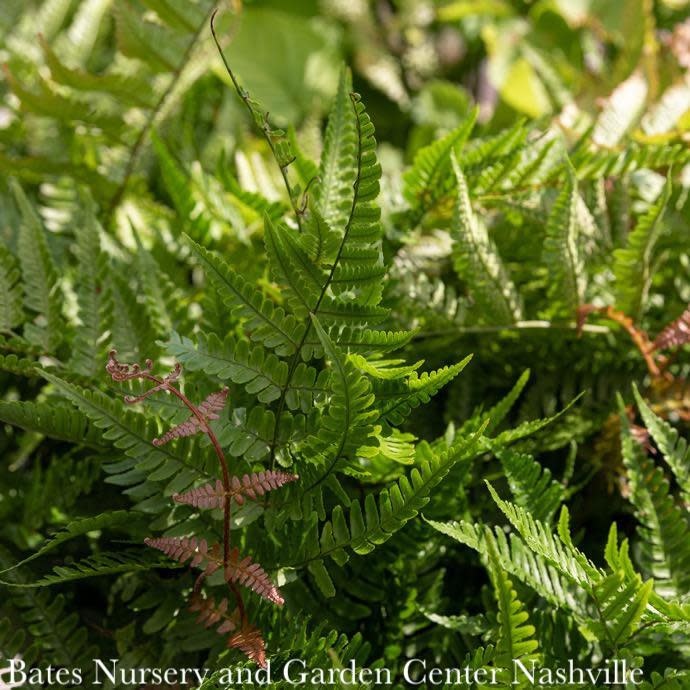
(614, 608)
(328, 423)
(313, 289)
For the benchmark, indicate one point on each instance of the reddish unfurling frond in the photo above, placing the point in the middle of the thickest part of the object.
(208, 496)
(675, 334)
(211, 614)
(125, 372)
(250, 641)
(214, 403)
(251, 575)
(247, 639)
(237, 570)
(183, 549)
(258, 483)
(209, 409)
(251, 485)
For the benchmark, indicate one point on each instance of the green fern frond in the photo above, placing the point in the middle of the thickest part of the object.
(375, 522)
(594, 163)
(336, 312)
(52, 630)
(127, 88)
(20, 366)
(632, 265)
(663, 528)
(178, 14)
(11, 310)
(357, 267)
(81, 37)
(162, 300)
(562, 251)
(177, 184)
(104, 563)
(55, 632)
(155, 45)
(69, 108)
(385, 369)
(528, 428)
(535, 164)
(477, 262)
(673, 446)
(261, 373)
(58, 421)
(562, 555)
(94, 313)
(251, 205)
(320, 241)
(76, 528)
(621, 603)
(397, 398)
(516, 636)
(496, 414)
(364, 341)
(266, 323)
(39, 278)
(347, 424)
(132, 332)
(337, 169)
(672, 679)
(132, 434)
(521, 562)
(620, 110)
(251, 434)
(487, 156)
(531, 484)
(293, 269)
(428, 178)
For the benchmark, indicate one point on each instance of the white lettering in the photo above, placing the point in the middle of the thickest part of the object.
(17, 666)
(302, 677)
(407, 675)
(110, 674)
(518, 665)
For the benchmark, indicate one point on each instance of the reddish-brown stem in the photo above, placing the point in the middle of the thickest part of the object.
(227, 505)
(637, 335)
(223, 465)
(165, 384)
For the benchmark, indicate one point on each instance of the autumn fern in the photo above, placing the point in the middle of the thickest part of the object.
(249, 486)
(237, 569)
(675, 334)
(477, 262)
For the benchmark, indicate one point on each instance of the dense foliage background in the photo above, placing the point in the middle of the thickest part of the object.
(525, 201)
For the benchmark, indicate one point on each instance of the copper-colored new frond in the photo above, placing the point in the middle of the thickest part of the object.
(251, 485)
(183, 549)
(211, 614)
(119, 371)
(214, 403)
(125, 372)
(251, 575)
(208, 496)
(258, 483)
(209, 409)
(250, 641)
(675, 334)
